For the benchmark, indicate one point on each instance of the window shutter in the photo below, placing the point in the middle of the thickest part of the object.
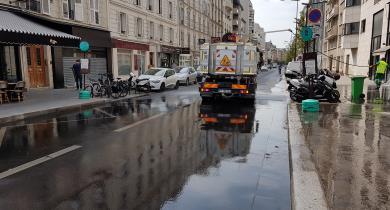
(78, 10)
(46, 6)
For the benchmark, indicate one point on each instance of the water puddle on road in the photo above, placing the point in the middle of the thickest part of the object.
(192, 156)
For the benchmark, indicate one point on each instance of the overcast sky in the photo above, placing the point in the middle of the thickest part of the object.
(276, 15)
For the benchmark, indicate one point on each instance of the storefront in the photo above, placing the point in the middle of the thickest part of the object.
(129, 57)
(25, 50)
(169, 55)
(99, 55)
(10, 69)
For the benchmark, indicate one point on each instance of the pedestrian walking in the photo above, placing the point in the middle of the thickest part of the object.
(381, 69)
(174, 65)
(77, 74)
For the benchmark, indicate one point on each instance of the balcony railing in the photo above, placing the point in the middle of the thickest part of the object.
(333, 13)
(332, 32)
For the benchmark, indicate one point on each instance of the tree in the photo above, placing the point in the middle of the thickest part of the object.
(297, 39)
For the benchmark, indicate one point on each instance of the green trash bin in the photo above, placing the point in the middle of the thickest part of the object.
(357, 87)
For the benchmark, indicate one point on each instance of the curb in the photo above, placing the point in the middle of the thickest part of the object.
(306, 190)
(86, 105)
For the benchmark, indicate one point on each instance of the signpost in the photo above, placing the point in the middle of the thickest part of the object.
(315, 15)
(306, 33)
(84, 47)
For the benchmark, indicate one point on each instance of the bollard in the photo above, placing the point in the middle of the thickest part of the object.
(85, 94)
(310, 105)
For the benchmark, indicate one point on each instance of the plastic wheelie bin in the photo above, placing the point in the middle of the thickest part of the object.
(357, 87)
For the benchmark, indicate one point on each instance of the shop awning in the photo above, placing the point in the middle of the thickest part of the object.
(18, 30)
(381, 50)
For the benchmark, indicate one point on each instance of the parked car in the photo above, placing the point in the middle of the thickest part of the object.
(160, 78)
(264, 68)
(186, 75)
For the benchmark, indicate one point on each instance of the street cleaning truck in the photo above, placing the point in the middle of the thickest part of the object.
(230, 70)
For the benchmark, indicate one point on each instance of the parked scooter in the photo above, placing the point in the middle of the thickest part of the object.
(322, 87)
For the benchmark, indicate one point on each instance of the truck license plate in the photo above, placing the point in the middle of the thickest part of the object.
(225, 91)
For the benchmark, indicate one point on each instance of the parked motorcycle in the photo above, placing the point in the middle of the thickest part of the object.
(321, 87)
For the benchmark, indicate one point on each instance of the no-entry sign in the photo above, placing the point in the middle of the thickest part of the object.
(315, 15)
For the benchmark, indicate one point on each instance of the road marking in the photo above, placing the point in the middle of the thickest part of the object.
(30, 164)
(138, 123)
(104, 112)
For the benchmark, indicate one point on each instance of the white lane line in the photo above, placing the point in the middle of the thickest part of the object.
(104, 112)
(30, 164)
(138, 123)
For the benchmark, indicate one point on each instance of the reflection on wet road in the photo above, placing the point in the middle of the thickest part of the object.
(169, 151)
(350, 147)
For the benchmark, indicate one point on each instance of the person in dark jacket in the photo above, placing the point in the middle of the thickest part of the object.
(77, 74)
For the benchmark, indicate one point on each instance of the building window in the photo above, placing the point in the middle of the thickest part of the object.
(160, 7)
(139, 27)
(377, 31)
(189, 40)
(182, 16)
(45, 6)
(363, 26)
(150, 5)
(137, 2)
(94, 10)
(351, 3)
(161, 32)
(124, 62)
(171, 35)
(351, 28)
(151, 30)
(181, 38)
(122, 23)
(170, 8)
(72, 9)
(388, 28)
(65, 8)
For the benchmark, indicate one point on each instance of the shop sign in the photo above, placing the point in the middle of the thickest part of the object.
(130, 45)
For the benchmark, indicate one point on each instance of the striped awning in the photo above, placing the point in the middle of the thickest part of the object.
(15, 29)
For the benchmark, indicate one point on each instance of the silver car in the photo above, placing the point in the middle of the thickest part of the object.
(186, 75)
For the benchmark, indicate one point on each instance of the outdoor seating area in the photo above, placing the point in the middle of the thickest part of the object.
(12, 92)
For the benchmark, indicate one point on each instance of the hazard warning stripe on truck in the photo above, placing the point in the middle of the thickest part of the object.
(225, 70)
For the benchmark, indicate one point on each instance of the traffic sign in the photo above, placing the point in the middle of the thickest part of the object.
(84, 46)
(315, 15)
(225, 61)
(306, 33)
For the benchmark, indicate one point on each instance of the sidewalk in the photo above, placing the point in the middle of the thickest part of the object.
(339, 155)
(46, 101)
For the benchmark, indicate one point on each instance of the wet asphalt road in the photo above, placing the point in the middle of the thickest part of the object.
(163, 151)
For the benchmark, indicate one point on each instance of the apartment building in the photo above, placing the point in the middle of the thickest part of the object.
(251, 25)
(144, 33)
(374, 35)
(333, 29)
(44, 42)
(228, 16)
(197, 24)
(356, 34)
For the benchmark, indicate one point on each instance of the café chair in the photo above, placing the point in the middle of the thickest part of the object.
(18, 92)
(3, 91)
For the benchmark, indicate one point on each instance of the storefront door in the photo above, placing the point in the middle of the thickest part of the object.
(36, 66)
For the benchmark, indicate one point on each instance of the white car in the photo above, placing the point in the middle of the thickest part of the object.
(264, 68)
(186, 75)
(160, 78)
